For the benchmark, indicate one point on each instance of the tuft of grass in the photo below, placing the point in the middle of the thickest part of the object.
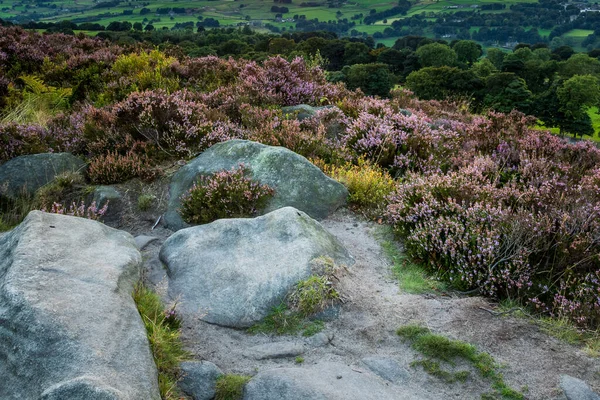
(145, 201)
(230, 387)
(12, 212)
(299, 360)
(283, 321)
(163, 331)
(438, 348)
(412, 278)
(313, 295)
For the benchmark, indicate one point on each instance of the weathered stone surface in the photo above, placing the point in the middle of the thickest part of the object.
(387, 369)
(231, 272)
(199, 379)
(296, 181)
(275, 350)
(302, 111)
(327, 380)
(26, 174)
(576, 389)
(142, 241)
(320, 339)
(110, 195)
(69, 328)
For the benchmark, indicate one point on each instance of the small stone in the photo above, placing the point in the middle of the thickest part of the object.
(339, 377)
(319, 340)
(142, 241)
(576, 389)
(199, 379)
(387, 369)
(275, 350)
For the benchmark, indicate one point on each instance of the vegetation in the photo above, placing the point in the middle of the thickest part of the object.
(163, 330)
(230, 387)
(225, 194)
(437, 348)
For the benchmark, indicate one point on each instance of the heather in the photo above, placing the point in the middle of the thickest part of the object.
(483, 201)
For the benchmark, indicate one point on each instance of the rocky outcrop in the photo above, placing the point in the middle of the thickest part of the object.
(25, 174)
(296, 181)
(69, 328)
(198, 379)
(323, 381)
(576, 389)
(231, 272)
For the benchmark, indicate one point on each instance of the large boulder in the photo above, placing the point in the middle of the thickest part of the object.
(324, 381)
(296, 181)
(232, 272)
(25, 174)
(69, 328)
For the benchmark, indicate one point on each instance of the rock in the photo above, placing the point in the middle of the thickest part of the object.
(321, 381)
(104, 194)
(275, 350)
(576, 389)
(199, 379)
(387, 369)
(24, 175)
(70, 328)
(302, 111)
(142, 241)
(232, 272)
(319, 340)
(296, 181)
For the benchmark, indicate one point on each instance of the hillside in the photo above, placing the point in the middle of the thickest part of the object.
(484, 21)
(206, 227)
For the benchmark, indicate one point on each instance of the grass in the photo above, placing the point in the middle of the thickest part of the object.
(299, 360)
(438, 349)
(559, 328)
(412, 278)
(283, 321)
(145, 201)
(163, 331)
(230, 387)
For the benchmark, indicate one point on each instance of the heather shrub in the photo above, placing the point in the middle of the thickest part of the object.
(139, 72)
(225, 194)
(81, 210)
(369, 185)
(115, 168)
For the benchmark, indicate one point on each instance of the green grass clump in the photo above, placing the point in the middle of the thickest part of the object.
(313, 295)
(145, 201)
(438, 348)
(162, 329)
(412, 278)
(283, 321)
(230, 387)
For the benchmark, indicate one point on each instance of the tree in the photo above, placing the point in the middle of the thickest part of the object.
(579, 64)
(505, 92)
(356, 53)
(496, 56)
(577, 94)
(436, 55)
(467, 51)
(138, 26)
(149, 28)
(440, 83)
(372, 79)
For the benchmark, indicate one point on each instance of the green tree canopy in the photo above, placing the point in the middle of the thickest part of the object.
(436, 55)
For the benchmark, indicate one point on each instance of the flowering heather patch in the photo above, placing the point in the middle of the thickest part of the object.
(115, 168)
(90, 212)
(225, 194)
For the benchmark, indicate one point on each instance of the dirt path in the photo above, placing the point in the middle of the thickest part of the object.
(376, 308)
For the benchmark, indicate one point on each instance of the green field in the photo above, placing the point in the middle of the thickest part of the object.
(240, 12)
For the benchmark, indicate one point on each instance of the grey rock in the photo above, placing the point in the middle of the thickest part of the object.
(199, 379)
(319, 340)
(232, 272)
(275, 350)
(302, 111)
(387, 369)
(321, 381)
(142, 241)
(329, 314)
(110, 195)
(70, 328)
(102, 194)
(296, 181)
(24, 175)
(576, 389)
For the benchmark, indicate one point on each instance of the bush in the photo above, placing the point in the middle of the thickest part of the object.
(369, 185)
(115, 168)
(226, 194)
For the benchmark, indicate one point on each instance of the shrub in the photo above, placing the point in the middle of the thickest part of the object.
(82, 210)
(226, 194)
(115, 168)
(145, 201)
(314, 294)
(369, 185)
